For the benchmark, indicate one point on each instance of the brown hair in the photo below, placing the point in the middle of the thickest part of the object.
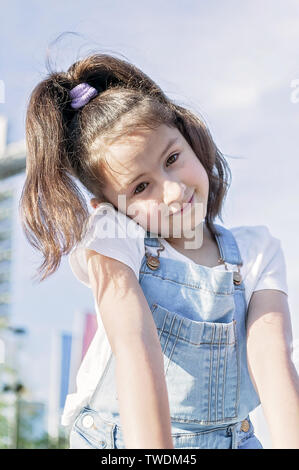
(60, 142)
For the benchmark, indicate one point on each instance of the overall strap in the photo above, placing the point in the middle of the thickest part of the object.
(228, 246)
(151, 240)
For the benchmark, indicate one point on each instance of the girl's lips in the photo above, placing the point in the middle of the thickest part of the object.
(188, 203)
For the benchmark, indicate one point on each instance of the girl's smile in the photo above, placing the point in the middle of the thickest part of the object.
(185, 206)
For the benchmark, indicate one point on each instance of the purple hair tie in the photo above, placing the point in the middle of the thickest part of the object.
(82, 94)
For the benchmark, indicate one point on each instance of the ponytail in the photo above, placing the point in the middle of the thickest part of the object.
(52, 208)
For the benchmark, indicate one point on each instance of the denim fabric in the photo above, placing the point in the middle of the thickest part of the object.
(200, 315)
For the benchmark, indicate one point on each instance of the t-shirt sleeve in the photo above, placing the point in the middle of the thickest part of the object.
(112, 234)
(270, 262)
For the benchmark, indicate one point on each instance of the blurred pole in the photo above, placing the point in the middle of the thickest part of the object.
(17, 422)
(12, 350)
(53, 398)
(18, 389)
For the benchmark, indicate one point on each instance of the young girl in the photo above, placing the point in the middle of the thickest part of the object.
(193, 322)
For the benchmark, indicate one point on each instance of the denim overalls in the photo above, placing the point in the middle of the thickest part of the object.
(200, 315)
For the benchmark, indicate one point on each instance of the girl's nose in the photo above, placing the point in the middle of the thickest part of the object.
(174, 192)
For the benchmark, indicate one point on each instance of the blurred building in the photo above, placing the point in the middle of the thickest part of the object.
(51, 314)
(6, 196)
(67, 353)
(32, 422)
(12, 161)
(28, 412)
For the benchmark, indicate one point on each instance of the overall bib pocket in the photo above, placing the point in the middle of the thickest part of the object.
(201, 367)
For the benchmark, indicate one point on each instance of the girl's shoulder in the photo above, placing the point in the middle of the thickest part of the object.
(113, 234)
(254, 237)
(264, 265)
(248, 231)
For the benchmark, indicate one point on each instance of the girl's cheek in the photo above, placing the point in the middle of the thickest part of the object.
(145, 213)
(139, 213)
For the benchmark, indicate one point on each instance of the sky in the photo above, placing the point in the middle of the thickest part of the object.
(232, 62)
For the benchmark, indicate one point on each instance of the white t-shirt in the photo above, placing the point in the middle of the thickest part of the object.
(113, 234)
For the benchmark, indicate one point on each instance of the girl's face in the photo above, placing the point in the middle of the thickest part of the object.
(151, 174)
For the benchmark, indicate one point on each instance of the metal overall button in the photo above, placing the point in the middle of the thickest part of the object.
(91, 428)
(237, 277)
(153, 261)
(245, 425)
(87, 421)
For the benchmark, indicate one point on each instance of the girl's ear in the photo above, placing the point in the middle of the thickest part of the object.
(94, 202)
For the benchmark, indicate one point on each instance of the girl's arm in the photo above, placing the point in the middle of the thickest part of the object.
(131, 331)
(269, 350)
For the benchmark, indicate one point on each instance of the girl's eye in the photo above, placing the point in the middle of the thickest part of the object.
(137, 192)
(173, 156)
